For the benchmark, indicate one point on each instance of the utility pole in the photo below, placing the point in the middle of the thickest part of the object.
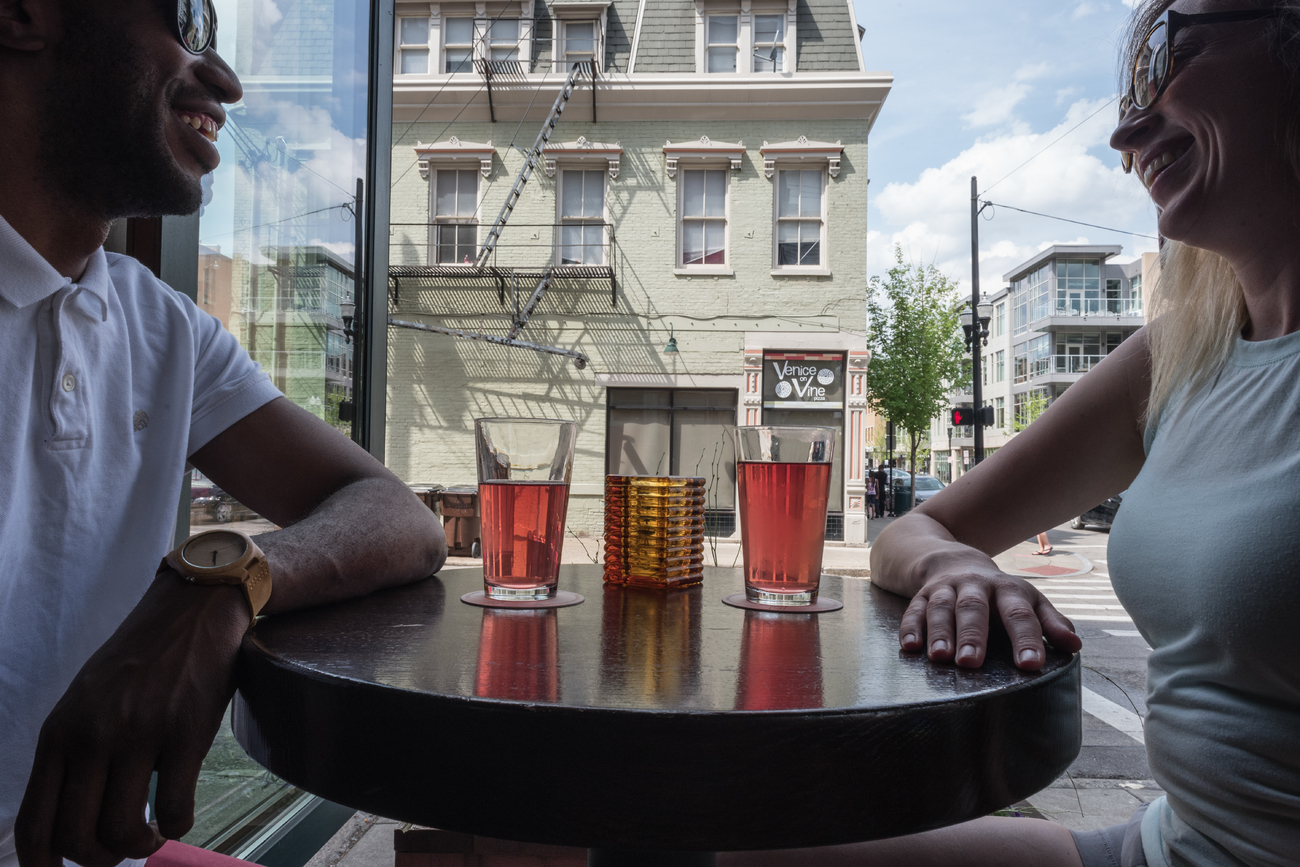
(977, 392)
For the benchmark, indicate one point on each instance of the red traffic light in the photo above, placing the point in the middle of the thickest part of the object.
(968, 415)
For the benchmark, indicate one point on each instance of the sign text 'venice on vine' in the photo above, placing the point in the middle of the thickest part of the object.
(803, 380)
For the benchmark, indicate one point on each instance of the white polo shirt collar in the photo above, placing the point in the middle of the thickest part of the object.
(27, 278)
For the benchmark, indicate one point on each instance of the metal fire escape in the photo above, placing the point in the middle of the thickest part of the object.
(484, 266)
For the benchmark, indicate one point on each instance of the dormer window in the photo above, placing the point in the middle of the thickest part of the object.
(722, 42)
(413, 46)
(769, 43)
(578, 42)
(458, 45)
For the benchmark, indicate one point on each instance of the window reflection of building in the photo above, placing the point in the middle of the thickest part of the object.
(214, 291)
(276, 258)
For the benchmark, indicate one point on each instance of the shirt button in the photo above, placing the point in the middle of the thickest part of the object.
(69, 382)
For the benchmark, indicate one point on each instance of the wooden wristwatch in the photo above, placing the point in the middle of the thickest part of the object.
(224, 557)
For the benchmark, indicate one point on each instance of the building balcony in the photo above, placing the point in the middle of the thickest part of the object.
(1089, 313)
(1057, 370)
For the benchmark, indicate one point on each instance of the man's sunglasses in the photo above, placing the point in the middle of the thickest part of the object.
(1154, 64)
(195, 25)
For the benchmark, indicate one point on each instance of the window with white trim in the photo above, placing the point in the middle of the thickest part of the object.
(503, 39)
(769, 43)
(800, 221)
(413, 46)
(721, 42)
(703, 217)
(455, 216)
(458, 45)
(582, 217)
(578, 41)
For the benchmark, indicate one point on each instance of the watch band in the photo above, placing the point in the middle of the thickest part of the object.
(251, 571)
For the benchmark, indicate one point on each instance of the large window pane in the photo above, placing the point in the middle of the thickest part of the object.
(276, 261)
(639, 441)
(704, 445)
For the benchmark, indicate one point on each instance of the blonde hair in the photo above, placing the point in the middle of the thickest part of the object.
(1198, 304)
(1200, 310)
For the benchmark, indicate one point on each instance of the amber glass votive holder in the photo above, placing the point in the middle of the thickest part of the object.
(654, 530)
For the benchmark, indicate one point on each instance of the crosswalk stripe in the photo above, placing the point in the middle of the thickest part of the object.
(1114, 715)
(1088, 606)
(1107, 618)
(1080, 596)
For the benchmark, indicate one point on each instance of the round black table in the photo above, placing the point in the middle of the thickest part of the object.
(644, 720)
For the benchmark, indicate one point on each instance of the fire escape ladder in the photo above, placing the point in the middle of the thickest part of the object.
(531, 159)
(522, 319)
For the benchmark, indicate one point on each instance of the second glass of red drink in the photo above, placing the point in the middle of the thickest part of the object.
(784, 479)
(524, 467)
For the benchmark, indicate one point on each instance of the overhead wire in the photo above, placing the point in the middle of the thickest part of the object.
(1068, 220)
(1050, 144)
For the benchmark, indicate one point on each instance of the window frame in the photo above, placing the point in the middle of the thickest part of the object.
(437, 221)
(445, 44)
(754, 44)
(823, 268)
(561, 49)
(708, 44)
(671, 408)
(679, 266)
(399, 46)
(486, 44)
(562, 170)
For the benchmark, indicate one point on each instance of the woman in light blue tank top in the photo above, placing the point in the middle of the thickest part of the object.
(1210, 124)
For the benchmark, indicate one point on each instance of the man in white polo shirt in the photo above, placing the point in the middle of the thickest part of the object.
(112, 667)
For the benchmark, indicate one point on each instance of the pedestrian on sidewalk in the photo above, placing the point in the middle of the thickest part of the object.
(871, 497)
(1044, 546)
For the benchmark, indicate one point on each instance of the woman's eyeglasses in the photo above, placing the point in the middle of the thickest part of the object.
(1153, 65)
(196, 25)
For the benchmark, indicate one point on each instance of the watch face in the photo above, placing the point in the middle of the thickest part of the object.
(215, 549)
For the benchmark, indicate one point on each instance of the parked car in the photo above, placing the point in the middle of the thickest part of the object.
(926, 487)
(1101, 516)
(208, 503)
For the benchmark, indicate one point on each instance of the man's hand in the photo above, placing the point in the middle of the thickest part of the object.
(151, 697)
(949, 618)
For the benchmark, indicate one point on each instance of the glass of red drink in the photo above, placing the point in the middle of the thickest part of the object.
(784, 479)
(524, 466)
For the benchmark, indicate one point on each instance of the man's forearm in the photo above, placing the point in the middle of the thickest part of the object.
(370, 534)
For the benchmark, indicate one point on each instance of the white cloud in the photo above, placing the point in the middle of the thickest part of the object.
(1066, 93)
(930, 217)
(1084, 8)
(998, 105)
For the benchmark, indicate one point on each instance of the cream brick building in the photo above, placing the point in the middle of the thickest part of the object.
(724, 211)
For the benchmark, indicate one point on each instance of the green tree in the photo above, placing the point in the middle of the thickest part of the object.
(916, 355)
(1030, 408)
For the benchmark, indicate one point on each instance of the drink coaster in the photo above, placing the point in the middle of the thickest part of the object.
(562, 599)
(822, 605)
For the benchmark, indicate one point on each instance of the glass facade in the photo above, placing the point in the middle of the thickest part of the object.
(277, 235)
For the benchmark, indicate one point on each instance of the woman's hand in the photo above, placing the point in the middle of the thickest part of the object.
(948, 617)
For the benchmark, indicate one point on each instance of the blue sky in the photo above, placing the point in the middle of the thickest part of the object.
(980, 86)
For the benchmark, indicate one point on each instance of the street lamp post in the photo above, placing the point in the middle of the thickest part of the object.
(975, 325)
(982, 310)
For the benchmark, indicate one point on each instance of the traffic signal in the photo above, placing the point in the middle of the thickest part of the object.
(968, 415)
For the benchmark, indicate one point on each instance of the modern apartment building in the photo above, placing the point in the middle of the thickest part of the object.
(1059, 314)
(689, 254)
